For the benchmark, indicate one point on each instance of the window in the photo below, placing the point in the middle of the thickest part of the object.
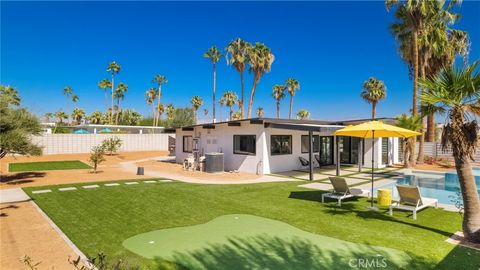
(385, 151)
(281, 144)
(187, 144)
(316, 143)
(244, 144)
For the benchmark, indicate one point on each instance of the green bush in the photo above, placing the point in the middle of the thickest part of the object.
(111, 145)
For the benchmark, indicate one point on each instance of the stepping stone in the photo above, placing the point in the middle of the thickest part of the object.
(90, 186)
(164, 181)
(41, 191)
(131, 183)
(67, 188)
(149, 181)
(112, 184)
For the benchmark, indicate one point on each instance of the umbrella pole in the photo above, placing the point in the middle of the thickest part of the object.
(373, 160)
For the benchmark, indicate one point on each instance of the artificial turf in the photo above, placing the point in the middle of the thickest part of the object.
(101, 219)
(47, 166)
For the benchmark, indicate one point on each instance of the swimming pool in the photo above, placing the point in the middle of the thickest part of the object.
(441, 186)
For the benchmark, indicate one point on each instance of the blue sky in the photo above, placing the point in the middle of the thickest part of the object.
(330, 47)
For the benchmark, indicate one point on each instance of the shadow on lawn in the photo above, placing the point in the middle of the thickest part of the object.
(265, 252)
(352, 205)
(21, 177)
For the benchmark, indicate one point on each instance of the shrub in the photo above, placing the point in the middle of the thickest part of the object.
(96, 157)
(111, 145)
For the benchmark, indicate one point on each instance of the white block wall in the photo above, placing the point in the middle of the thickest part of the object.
(83, 143)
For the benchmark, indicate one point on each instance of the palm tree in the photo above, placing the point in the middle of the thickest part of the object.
(68, 92)
(374, 91)
(160, 110)
(205, 113)
(214, 55)
(170, 111)
(197, 102)
(113, 68)
(412, 123)
(11, 94)
(292, 86)
(237, 116)
(150, 96)
(119, 96)
(48, 116)
(159, 79)
(303, 114)
(260, 58)
(457, 92)
(105, 84)
(278, 93)
(260, 112)
(237, 56)
(412, 14)
(229, 99)
(61, 115)
(96, 117)
(75, 98)
(77, 115)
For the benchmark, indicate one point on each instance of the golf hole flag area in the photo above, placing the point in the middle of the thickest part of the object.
(248, 241)
(47, 166)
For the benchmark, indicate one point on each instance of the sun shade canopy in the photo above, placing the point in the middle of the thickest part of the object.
(375, 129)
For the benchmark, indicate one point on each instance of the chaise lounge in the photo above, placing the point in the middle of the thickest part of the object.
(342, 191)
(411, 200)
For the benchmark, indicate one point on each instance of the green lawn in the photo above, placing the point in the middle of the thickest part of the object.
(100, 220)
(47, 166)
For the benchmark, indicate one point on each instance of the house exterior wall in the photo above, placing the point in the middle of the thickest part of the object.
(263, 162)
(223, 135)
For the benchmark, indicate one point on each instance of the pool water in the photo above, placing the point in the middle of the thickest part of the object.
(443, 187)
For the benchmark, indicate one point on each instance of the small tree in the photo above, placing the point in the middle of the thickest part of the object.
(111, 145)
(97, 156)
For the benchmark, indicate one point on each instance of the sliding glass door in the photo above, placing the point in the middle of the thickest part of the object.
(326, 150)
(349, 155)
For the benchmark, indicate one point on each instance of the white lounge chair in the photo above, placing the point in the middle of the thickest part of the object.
(341, 190)
(411, 199)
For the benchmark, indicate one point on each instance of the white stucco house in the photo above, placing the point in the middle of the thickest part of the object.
(266, 145)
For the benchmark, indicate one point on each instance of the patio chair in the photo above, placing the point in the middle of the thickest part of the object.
(411, 200)
(342, 191)
(304, 162)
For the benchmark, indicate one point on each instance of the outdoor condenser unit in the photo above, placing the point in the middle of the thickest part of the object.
(214, 162)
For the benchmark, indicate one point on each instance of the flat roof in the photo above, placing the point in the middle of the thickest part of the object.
(307, 123)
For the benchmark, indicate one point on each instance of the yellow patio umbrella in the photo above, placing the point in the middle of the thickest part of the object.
(375, 129)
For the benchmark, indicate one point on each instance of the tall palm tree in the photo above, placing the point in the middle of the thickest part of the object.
(170, 111)
(413, 13)
(68, 92)
(197, 102)
(77, 115)
(229, 99)
(160, 110)
(119, 96)
(104, 85)
(113, 68)
(150, 96)
(159, 80)
(374, 91)
(48, 116)
(237, 56)
(214, 55)
(278, 93)
(11, 94)
(96, 117)
(205, 113)
(292, 86)
(412, 123)
(237, 116)
(260, 112)
(75, 98)
(260, 58)
(457, 91)
(303, 114)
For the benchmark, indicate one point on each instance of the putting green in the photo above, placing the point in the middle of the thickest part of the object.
(244, 241)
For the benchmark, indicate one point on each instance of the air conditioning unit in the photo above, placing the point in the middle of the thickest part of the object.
(214, 162)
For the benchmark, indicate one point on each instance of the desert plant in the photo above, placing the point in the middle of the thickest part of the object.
(97, 156)
(29, 263)
(111, 145)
